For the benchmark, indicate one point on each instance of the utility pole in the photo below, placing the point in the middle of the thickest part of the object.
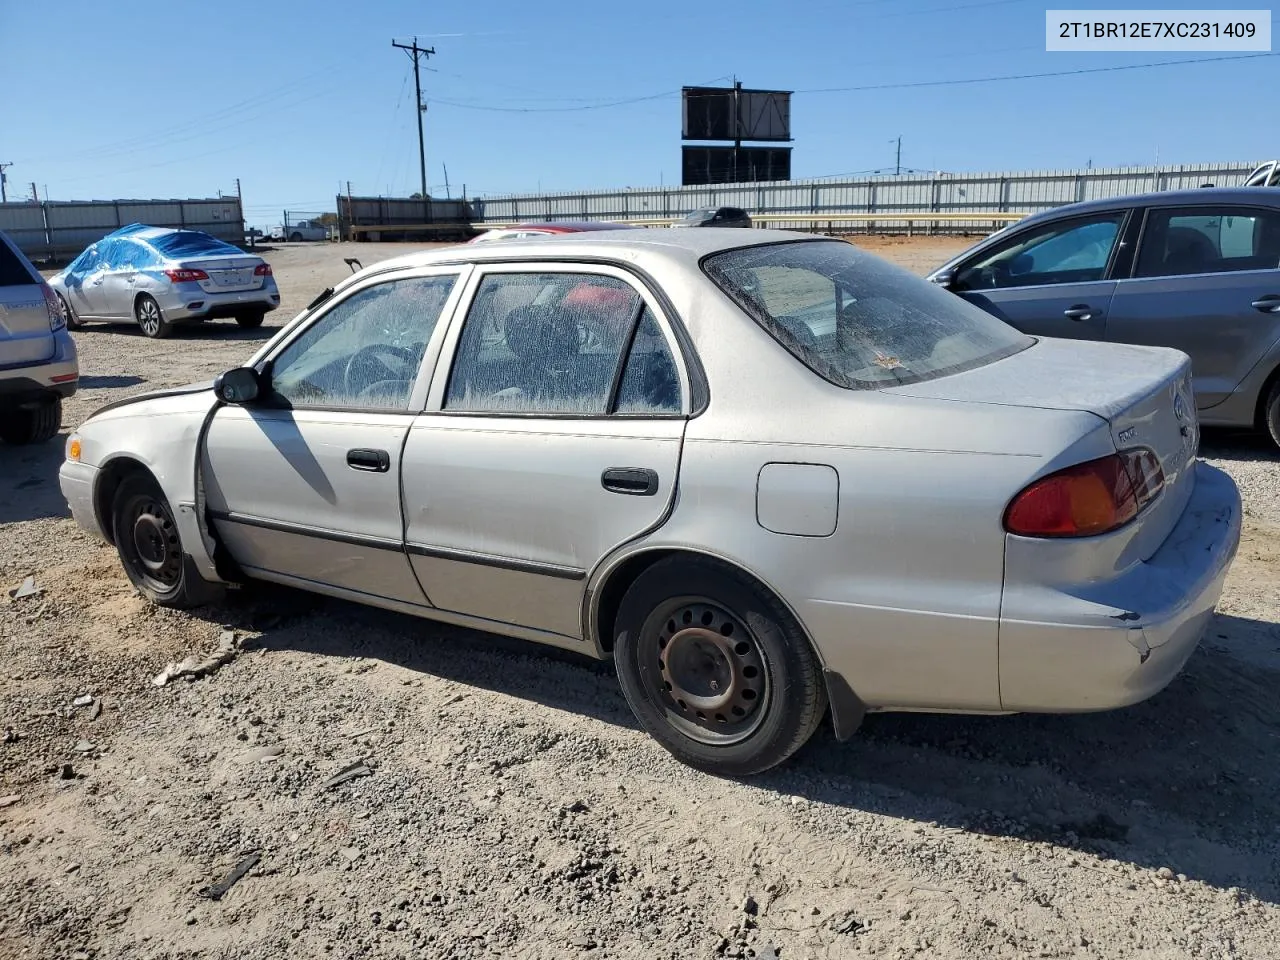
(417, 53)
(35, 194)
(897, 164)
(4, 196)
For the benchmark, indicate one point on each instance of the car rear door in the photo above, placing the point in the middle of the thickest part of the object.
(1206, 281)
(25, 335)
(304, 485)
(552, 435)
(1050, 279)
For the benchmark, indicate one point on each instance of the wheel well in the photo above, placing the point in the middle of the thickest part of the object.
(621, 579)
(1260, 415)
(113, 474)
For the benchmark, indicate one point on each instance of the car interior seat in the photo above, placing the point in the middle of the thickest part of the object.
(1188, 251)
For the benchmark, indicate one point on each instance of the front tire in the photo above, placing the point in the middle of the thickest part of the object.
(251, 321)
(150, 547)
(24, 425)
(147, 312)
(1271, 413)
(295, 238)
(73, 322)
(715, 668)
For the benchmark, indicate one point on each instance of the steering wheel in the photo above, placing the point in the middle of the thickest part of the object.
(375, 353)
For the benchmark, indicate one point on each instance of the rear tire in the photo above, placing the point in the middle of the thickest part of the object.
(147, 312)
(1271, 413)
(24, 425)
(146, 536)
(250, 321)
(73, 322)
(715, 668)
(295, 237)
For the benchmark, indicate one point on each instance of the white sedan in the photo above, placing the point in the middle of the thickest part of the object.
(766, 473)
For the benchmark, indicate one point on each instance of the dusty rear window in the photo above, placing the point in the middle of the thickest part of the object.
(856, 320)
(13, 272)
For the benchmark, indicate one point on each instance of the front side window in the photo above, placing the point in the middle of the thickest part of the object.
(1074, 251)
(856, 320)
(1191, 240)
(554, 343)
(364, 352)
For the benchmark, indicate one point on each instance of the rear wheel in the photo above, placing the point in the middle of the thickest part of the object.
(252, 319)
(73, 322)
(1271, 413)
(150, 548)
(37, 424)
(295, 237)
(150, 319)
(715, 668)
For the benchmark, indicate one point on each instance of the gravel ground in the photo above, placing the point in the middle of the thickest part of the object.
(512, 808)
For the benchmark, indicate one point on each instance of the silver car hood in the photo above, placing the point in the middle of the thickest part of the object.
(1105, 379)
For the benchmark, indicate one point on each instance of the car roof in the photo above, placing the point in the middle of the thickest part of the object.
(572, 226)
(622, 245)
(1250, 196)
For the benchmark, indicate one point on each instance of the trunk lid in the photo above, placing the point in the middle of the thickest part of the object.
(1143, 394)
(227, 274)
(25, 335)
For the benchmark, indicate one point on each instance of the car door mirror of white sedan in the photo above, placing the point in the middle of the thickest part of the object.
(241, 385)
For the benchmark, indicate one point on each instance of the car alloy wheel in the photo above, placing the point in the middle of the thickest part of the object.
(73, 322)
(149, 316)
(709, 670)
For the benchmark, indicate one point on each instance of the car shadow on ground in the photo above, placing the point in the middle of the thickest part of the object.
(1222, 444)
(108, 383)
(1172, 781)
(29, 481)
(210, 329)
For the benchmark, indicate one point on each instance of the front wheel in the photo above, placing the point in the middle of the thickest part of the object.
(251, 320)
(715, 668)
(73, 322)
(295, 237)
(150, 319)
(150, 547)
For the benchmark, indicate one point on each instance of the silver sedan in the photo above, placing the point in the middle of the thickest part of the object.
(158, 277)
(767, 474)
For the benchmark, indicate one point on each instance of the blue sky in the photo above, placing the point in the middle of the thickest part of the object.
(142, 98)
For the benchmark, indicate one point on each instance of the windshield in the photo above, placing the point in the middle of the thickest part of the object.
(701, 214)
(856, 320)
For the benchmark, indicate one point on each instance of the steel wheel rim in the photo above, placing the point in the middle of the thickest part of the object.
(706, 670)
(149, 316)
(155, 549)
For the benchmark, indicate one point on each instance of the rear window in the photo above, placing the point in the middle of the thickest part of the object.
(13, 272)
(856, 320)
(191, 243)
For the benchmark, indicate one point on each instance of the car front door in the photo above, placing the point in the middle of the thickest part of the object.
(552, 436)
(1050, 279)
(303, 485)
(117, 288)
(1206, 281)
(85, 278)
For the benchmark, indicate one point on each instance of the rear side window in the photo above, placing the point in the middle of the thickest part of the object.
(561, 344)
(13, 271)
(1191, 240)
(856, 320)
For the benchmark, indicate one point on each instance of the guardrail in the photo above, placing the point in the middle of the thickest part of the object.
(993, 219)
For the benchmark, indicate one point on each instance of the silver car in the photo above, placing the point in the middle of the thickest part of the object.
(38, 365)
(1197, 270)
(766, 473)
(158, 277)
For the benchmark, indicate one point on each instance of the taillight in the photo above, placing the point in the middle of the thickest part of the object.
(53, 306)
(186, 276)
(1089, 498)
(262, 270)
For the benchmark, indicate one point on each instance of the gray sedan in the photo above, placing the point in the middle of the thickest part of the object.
(765, 473)
(158, 277)
(1197, 270)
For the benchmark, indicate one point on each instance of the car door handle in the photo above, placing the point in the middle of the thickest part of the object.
(1268, 304)
(373, 461)
(1081, 311)
(636, 481)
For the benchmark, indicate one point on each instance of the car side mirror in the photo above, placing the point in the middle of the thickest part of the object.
(945, 278)
(241, 385)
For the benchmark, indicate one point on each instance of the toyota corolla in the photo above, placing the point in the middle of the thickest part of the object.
(769, 475)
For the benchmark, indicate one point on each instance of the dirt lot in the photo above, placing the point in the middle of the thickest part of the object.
(513, 809)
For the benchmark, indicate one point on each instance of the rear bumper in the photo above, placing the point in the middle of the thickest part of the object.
(1098, 646)
(197, 304)
(77, 483)
(57, 376)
